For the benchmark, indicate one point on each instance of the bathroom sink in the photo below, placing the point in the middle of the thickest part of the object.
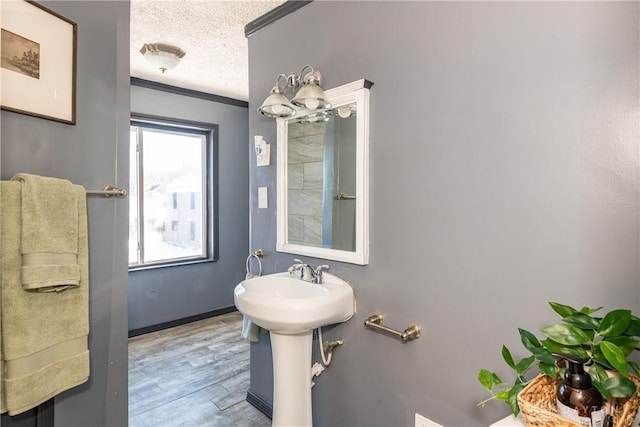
(285, 304)
(291, 308)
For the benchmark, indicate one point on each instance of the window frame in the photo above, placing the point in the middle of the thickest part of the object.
(210, 132)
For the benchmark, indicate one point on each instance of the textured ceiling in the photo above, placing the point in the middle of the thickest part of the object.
(211, 32)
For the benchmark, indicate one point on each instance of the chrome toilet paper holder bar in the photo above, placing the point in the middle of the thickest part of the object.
(375, 321)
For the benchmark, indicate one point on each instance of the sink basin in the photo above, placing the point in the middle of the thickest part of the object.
(282, 303)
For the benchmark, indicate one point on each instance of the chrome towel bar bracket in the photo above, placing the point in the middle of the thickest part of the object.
(375, 321)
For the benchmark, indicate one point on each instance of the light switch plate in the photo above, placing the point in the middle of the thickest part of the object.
(263, 198)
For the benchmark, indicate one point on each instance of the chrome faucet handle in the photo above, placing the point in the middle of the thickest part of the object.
(317, 273)
(321, 267)
(297, 266)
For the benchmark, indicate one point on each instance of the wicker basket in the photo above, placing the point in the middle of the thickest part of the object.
(537, 403)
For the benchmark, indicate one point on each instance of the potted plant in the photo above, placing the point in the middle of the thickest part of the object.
(606, 342)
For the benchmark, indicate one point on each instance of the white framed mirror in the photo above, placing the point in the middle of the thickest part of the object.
(323, 178)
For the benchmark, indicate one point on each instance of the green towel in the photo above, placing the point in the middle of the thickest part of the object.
(44, 334)
(49, 242)
(251, 331)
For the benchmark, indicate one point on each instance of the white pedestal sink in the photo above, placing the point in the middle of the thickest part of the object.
(291, 309)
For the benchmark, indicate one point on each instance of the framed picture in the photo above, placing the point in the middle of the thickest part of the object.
(38, 62)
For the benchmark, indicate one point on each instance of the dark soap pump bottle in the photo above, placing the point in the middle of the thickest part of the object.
(578, 400)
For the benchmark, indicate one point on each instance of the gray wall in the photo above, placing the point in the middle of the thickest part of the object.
(166, 294)
(504, 174)
(88, 154)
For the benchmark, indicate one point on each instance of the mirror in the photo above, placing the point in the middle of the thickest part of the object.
(323, 178)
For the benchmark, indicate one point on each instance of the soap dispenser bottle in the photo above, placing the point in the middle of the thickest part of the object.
(577, 398)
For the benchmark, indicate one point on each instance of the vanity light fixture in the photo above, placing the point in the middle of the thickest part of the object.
(162, 56)
(308, 94)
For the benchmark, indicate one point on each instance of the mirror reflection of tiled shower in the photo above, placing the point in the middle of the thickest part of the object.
(305, 183)
(321, 159)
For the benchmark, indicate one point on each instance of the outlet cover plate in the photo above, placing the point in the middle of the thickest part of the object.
(425, 422)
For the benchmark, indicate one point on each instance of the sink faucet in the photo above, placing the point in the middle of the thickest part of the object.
(308, 273)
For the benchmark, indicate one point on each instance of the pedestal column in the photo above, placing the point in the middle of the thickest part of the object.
(292, 379)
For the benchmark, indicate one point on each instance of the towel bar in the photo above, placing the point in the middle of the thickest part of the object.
(109, 191)
(375, 321)
(257, 255)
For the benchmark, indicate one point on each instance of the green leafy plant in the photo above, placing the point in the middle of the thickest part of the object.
(606, 342)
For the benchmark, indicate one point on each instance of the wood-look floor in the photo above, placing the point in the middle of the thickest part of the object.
(193, 375)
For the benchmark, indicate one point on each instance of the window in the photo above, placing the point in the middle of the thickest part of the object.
(172, 192)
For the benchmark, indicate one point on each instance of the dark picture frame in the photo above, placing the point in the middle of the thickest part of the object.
(38, 62)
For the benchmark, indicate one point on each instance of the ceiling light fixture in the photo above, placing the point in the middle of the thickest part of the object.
(162, 56)
(305, 87)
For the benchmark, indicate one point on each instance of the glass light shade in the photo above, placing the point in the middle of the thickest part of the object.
(312, 97)
(162, 57)
(276, 105)
(344, 112)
